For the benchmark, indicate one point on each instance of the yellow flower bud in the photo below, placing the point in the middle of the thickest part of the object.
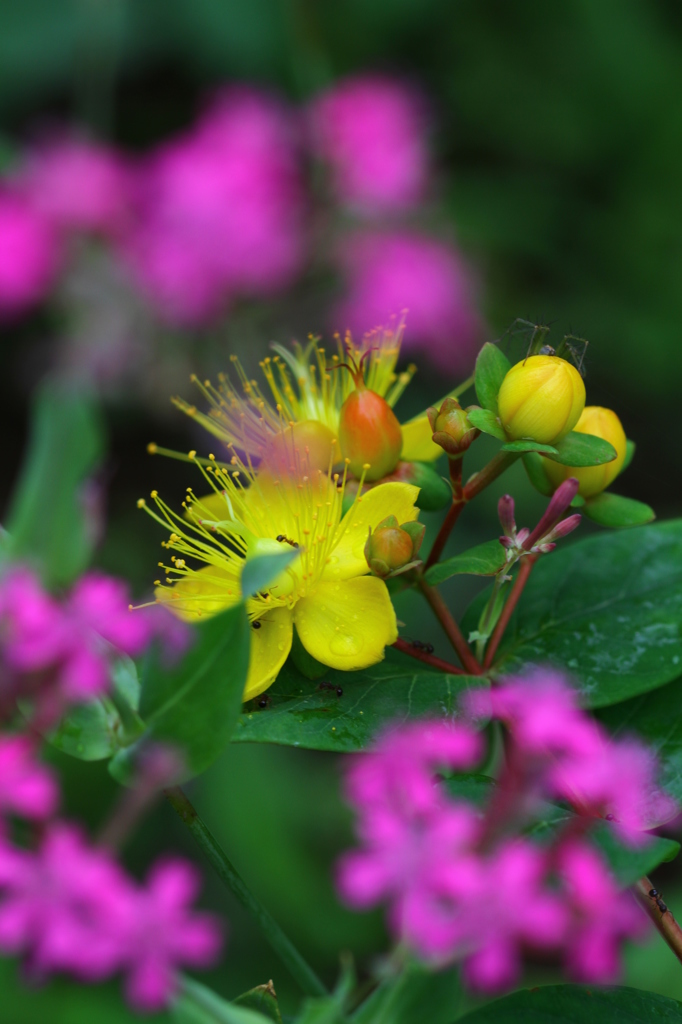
(593, 479)
(541, 399)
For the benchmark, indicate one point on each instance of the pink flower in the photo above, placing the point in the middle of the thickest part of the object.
(387, 272)
(63, 907)
(77, 184)
(75, 640)
(29, 255)
(371, 131)
(27, 787)
(163, 934)
(220, 210)
(602, 915)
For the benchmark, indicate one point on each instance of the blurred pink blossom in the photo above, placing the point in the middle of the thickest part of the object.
(77, 184)
(27, 788)
(371, 131)
(163, 934)
(73, 641)
(220, 210)
(387, 272)
(29, 255)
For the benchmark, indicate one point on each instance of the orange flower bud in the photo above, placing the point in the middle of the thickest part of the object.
(593, 479)
(451, 428)
(369, 433)
(392, 549)
(541, 399)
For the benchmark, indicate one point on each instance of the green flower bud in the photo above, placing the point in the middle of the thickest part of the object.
(451, 428)
(391, 549)
(541, 399)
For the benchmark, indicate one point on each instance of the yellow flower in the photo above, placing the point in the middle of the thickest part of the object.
(307, 389)
(594, 479)
(344, 617)
(541, 399)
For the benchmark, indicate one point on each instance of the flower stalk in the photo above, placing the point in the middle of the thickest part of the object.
(664, 923)
(297, 966)
(452, 630)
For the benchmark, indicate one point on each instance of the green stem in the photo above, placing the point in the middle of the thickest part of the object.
(486, 619)
(281, 943)
(510, 604)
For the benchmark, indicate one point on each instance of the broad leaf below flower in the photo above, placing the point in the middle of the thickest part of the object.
(309, 713)
(608, 610)
(566, 1004)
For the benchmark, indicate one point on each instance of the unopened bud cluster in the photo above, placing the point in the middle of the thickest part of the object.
(392, 549)
(451, 428)
(551, 528)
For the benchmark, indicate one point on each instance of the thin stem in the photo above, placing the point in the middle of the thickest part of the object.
(510, 604)
(428, 659)
(281, 943)
(664, 922)
(454, 633)
(486, 622)
(497, 465)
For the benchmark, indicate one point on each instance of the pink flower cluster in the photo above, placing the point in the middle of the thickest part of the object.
(462, 881)
(225, 211)
(219, 210)
(69, 906)
(62, 650)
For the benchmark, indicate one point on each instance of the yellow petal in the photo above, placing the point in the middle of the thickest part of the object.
(270, 646)
(347, 625)
(203, 593)
(417, 443)
(392, 499)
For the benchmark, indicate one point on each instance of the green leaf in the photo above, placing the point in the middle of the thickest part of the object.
(654, 718)
(414, 996)
(301, 714)
(578, 450)
(529, 446)
(434, 491)
(483, 560)
(48, 520)
(487, 421)
(261, 571)
(630, 449)
(198, 1004)
(569, 1004)
(608, 610)
(492, 366)
(263, 999)
(194, 706)
(535, 468)
(618, 512)
(330, 1009)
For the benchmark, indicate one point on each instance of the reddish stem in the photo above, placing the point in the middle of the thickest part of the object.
(508, 610)
(664, 922)
(428, 659)
(452, 630)
(443, 534)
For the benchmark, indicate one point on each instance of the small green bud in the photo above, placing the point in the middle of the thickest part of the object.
(392, 549)
(451, 428)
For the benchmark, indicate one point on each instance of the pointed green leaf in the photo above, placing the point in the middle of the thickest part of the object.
(487, 421)
(529, 446)
(259, 572)
(263, 999)
(569, 1004)
(303, 714)
(434, 491)
(580, 450)
(198, 1004)
(618, 512)
(48, 519)
(194, 706)
(492, 366)
(483, 560)
(535, 468)
(607, 610)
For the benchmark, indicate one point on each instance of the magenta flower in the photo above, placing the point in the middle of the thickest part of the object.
(163, 934)
(63, 907)
(388, 272)
(220, 210)
(77, 184)
(27, 787)
(602, 915)
(371, 131)
(29, 255)
(73, 642)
